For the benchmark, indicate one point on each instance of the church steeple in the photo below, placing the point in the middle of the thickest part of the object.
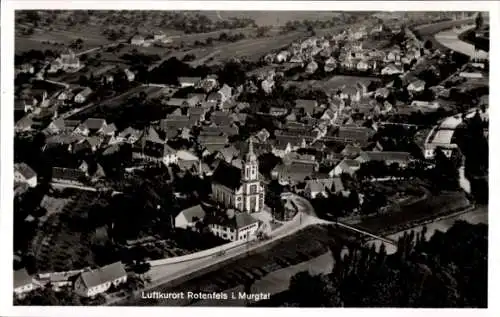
(250, 167)
(250, 157)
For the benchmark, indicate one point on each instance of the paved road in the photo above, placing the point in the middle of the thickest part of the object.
(450, 39)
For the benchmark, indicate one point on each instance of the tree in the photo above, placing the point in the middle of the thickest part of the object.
(428, 45)
(308, 290)
(479, 21)
(135, 282)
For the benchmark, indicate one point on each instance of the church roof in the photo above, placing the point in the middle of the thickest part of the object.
(227, 175)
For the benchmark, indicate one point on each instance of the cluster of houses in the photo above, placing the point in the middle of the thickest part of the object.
(345, 50)
(85, 282)
(150, 39)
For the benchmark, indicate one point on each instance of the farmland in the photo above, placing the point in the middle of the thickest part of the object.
(61, 39)
(251, 49)
(272, 17)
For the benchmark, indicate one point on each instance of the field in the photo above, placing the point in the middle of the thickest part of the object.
(422, 210)
(303, 246)
(333, 83)
(91, 38)
(252, 49)
(272, 17)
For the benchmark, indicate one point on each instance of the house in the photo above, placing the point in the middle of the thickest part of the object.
(416, 86)
(207, 84)
(97, 125)
(56, 126)
(234, 226)
(382, 93)
(282, 56)
(425, 104)
(362, 66)
(129, 74)
(24, 124)
(108, 130)
(315, 187)
(186, 160)
(25, 68)
(25, 174)
(23, 283)
(267, 85)
(277, 112)
(188, 218)
(311, 67)
(237, 188)
(347, 166)
(129, 135)
(83, 95)
(296, 60)
(330, 64)
(350, 134)
(401, 158)
(69, 175)
(306, 106)
(225, 92)
(91, 283)
(66, 95)
(293, 172)
(188, 81)
(137, 40)
(68, 62)
(391, 69)
(25, 104)
(285, 144)
(151, 147)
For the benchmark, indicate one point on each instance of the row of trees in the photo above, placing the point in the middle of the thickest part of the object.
(448, 270)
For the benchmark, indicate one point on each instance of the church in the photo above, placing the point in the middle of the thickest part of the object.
(239, 188)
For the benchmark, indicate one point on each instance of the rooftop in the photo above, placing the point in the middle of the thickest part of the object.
(104, 274)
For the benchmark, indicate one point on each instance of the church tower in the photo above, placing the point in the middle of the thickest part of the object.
(252, 190)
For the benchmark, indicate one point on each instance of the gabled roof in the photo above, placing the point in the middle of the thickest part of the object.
(104, 274)
(129, 131)
(95, 123)
(67, 173)
(195, 211)
(176, 102)
(319, 185)
(85, 92)
(350, 163)
(307, 105)
(110, 128)
(25, 170)
(21, 278)
(385, 156)
(24, 122)
(189, 80)
(239, 220)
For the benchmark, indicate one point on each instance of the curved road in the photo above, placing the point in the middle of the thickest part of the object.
(449, 38)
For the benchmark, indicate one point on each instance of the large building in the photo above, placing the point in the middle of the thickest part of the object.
(239, 188)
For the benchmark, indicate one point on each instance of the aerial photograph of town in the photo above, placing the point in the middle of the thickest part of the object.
(251, 158)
